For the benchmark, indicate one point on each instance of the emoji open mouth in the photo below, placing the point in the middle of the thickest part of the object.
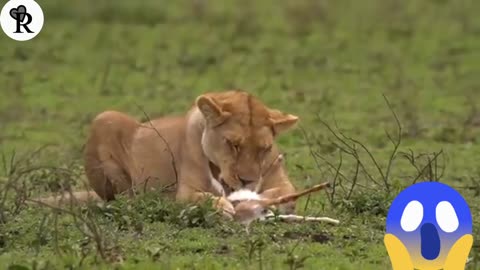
(430, 241)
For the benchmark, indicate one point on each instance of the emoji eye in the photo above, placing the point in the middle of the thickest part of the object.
(412, 216)
(446, 217)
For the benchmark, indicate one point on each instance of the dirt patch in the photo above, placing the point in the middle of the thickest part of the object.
(223, 249)
(316, 237)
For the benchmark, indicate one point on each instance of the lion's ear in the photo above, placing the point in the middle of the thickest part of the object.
(282, 122)
(211, 110)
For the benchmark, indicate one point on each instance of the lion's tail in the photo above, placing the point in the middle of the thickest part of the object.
(68, 198)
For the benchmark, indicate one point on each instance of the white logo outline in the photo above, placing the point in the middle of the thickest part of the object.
(21, 20)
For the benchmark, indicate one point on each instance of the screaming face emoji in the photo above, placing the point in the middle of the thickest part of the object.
(429, 227)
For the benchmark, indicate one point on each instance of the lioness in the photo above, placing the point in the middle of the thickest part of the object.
(226, 141)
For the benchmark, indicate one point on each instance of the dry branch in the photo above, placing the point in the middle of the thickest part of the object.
(300, 218)
(167, 145)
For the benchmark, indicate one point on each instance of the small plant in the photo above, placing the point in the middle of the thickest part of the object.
(293, 261)
(201, 215)
(373, 203)
(255, 245)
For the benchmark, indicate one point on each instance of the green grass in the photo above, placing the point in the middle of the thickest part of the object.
(326, 61)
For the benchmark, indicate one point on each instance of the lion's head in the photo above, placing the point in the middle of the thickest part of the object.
(239, 135)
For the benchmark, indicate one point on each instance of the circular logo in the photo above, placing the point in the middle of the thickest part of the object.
(21, 20)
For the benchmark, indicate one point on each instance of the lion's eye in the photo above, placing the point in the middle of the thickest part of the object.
(235, 146)
(263, 151)
(268, 149)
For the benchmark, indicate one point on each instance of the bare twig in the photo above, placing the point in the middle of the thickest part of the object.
(293, 261)
(348, 145)
(352, 150)
(261, 181)
(310, 148)
(337, 173)
(340, 174)
(354, 182)
(305, 135)
(167, 145)
(421, 171)
(40, 234)
(396, 143)
(86, 225)
(301, 218)
(372, 158)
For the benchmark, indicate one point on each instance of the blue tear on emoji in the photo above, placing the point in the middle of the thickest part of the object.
(429, 227)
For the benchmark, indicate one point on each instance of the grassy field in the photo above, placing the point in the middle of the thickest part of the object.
(333, 63)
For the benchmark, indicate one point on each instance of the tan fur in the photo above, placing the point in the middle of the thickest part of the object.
(231, 129)
(66, 198)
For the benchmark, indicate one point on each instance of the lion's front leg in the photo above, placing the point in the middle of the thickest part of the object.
(276, 185)
(187, 194)
(109, 166)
